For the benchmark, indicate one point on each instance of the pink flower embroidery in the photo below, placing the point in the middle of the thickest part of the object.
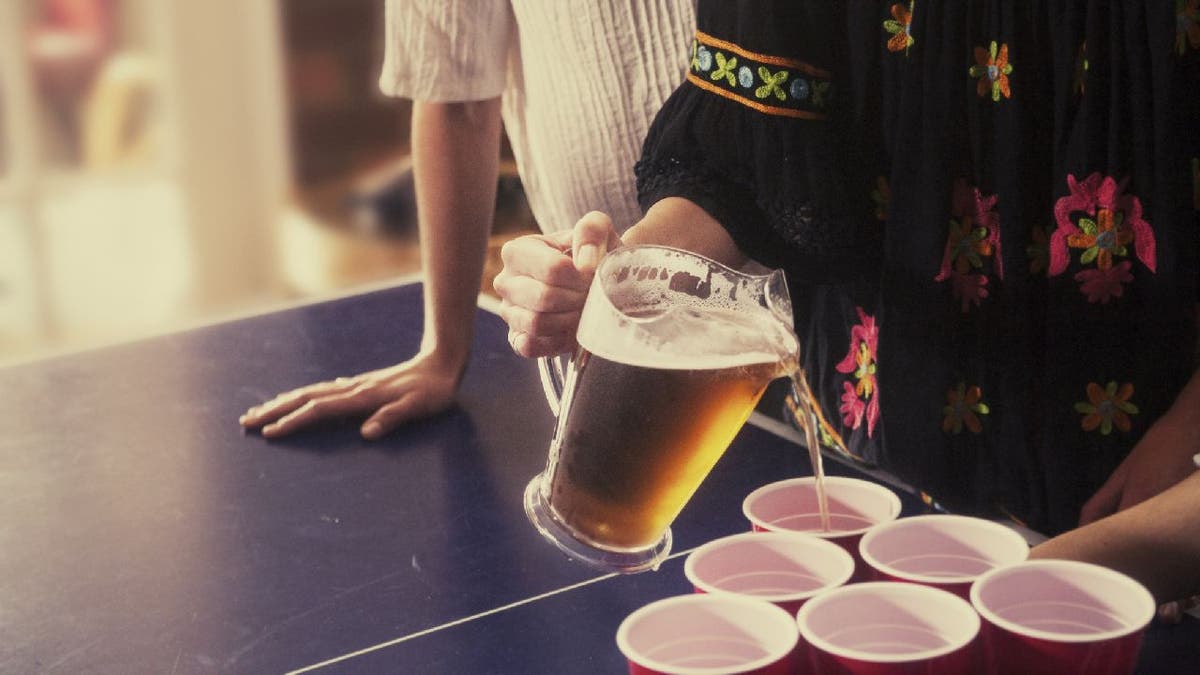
(972, 241)
(969, 288)
(872, 415)
(968, 201)
(865, 332)
(860, 363)
(1099, 203)
(852, 408)
(1101, 285)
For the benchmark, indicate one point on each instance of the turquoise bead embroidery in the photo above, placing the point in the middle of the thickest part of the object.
(728, 68)
(799, 89)
(745, 77)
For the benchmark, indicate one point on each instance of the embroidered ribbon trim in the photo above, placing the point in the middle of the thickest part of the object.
(773, 85)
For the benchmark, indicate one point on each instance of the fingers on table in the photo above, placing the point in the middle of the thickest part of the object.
(316, 409)
(410, 406)
(281, 414)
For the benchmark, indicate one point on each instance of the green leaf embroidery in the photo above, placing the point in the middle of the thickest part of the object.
(771, 83)
(819, 91)
(725, 68)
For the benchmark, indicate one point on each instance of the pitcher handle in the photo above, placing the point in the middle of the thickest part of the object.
(554, 376)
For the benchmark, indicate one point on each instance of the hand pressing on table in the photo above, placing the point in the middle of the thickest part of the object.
(455, 185)
(389, 397)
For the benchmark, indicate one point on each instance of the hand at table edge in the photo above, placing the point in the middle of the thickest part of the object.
(389, 397)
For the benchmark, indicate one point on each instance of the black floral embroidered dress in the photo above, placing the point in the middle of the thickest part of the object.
(987, 211)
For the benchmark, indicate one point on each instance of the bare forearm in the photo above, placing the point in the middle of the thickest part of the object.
(456, 149)
(1186, 408)
(680, 223)
(1156, 542)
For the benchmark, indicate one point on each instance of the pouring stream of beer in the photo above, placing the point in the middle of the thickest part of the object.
(802, 405)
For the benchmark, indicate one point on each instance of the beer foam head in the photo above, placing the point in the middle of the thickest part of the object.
(666, 308)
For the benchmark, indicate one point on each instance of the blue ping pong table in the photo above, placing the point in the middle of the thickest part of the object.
(141, 531)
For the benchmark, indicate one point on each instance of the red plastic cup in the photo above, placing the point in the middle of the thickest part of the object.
(943, 551)
(1061, 616)
(784, 568)
(887, 627)
(855, 506)
(709, 634)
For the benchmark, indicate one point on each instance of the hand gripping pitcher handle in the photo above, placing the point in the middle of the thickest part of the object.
(554, 376)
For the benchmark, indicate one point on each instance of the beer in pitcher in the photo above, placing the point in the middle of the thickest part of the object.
(675, 351)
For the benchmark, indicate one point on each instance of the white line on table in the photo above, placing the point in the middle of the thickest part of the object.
(466, 619)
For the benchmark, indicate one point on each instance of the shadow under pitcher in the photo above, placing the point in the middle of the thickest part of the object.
(675, 351)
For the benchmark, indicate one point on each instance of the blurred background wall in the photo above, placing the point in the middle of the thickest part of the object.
(165, 163)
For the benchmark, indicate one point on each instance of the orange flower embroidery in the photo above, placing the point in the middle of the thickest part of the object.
(968, 245)
(1102, 237)
(1081, 69)
(963, 406)
(1106, 407)
(1187, 25)
(972, 243)
(1098, 217)
(881, 195)
(900, 26)
(992, 69)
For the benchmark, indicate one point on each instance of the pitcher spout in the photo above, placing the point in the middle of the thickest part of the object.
(777, 298)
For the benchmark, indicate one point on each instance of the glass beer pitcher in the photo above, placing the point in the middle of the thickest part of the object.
(674, 352)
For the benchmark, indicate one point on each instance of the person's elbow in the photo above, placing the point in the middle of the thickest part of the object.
(461, 114)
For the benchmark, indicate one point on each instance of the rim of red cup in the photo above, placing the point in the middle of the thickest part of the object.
(900, 524)
(870, 587)
(788, 537)
(1076, 568)
(766, 612)
(886, 493)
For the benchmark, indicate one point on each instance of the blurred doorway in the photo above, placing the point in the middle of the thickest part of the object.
(143, 165)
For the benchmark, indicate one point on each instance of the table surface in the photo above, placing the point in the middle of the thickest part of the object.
(143, 531)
